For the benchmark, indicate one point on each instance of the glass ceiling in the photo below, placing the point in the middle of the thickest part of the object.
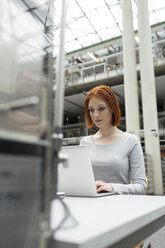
(87, 22)
(90, 22)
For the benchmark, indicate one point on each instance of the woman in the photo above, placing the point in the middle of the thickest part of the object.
(117, 156)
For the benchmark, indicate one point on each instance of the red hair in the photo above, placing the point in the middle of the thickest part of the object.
(104, 92)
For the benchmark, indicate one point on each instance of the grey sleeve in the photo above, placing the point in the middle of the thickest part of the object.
(137, 174)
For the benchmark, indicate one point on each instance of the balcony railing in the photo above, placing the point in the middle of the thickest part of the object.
(78, 73)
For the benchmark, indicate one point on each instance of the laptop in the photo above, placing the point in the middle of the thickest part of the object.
(77, 179)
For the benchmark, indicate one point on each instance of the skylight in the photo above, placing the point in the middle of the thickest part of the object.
(90, 22)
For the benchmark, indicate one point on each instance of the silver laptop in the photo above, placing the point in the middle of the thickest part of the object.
(77, 179)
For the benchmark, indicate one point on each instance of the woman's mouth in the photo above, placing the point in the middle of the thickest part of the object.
(98, 121)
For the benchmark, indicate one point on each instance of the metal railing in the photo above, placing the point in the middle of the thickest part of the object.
(79, 129)
(149, 173)
(76, 74)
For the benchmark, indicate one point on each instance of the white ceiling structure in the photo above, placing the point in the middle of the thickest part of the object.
(91, 22)
(87, 22)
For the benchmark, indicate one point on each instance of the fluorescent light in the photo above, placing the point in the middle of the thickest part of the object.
(93, 57)
(137, 39)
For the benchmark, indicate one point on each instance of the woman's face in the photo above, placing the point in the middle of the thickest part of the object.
(100, 112)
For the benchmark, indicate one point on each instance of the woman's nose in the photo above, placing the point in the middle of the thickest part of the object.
(96, 113)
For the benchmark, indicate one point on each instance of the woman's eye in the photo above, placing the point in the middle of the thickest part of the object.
(91, 110)
(101, 109)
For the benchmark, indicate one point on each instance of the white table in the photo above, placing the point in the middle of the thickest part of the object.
(117, 221)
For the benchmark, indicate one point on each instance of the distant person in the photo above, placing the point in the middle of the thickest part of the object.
(116, 156)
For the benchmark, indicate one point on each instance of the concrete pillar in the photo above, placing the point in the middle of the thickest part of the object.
(150, 118)
(130, 75)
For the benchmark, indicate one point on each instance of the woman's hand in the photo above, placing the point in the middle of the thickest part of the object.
(102, 186)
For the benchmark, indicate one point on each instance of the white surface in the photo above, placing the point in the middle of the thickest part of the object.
(104, 221)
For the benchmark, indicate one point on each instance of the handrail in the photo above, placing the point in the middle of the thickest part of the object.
(108, 63)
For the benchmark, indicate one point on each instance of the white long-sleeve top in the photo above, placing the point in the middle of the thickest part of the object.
(119, 163)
